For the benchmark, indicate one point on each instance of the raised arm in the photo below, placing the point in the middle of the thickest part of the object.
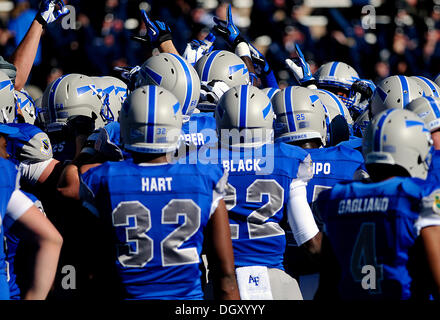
(24, 56)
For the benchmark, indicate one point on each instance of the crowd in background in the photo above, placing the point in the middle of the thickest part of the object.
(402, 37)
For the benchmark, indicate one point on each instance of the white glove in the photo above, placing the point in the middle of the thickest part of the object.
(212, 91)
(48, 14)
(197, 49)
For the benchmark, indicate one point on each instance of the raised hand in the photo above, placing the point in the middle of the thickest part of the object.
(300, 67)
(227, 29)
(157, 31)
(48, 13)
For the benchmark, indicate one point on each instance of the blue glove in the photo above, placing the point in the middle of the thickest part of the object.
(157, 31)
(228, 30)
(47, 13)
(300, 68)
(260, 64)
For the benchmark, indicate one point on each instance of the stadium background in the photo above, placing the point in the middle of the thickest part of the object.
(404, 39)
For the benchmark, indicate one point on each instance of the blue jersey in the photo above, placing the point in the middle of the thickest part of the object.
(256, 198)
(353, 143)
(158, 214)
(434, 169)
(371, 227)
(332, 165)
(8, 184)
(199, 130)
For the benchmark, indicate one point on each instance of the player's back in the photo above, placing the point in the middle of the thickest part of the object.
(158, 214)
(257, 194)
(371, 227)
(332, 165)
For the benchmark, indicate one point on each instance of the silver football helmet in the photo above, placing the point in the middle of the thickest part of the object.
(70, 96)
(338, 77)
(174, 74)
(113, 93)
(245, 115)
(151, 121)
(7, 100)
(300, 115)
(334, 105)
(394, 92)
(26, 104)
(270, 92)
(399, 137)
(222, 65)
(429, 87)
(427, 108)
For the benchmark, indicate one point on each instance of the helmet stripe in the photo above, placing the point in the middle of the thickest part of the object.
(378, 132)
(244, 90)
(151, 113)
(207, 67)
(289, 109)
(405, 88)
(189, 85)
(333, 96)
(51, 106)
(429, 84)
(434, 106)
(333, 69)
(272, 92)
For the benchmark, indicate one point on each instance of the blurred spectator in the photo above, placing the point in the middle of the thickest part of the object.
(404, 41)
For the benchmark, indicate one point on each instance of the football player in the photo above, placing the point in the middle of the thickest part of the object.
(267, 183)
(301, 120)
(171, 204)
(21, 211)
(385, 234)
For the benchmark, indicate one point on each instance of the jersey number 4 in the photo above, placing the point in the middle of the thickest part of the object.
(170, 253)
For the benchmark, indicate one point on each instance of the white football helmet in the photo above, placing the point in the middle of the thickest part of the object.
(7, 100)
(429, 87)
(69, 96)
(300, 115)
(174, 74)
(399, 137)
(394, 92)
(151, 121)
(113, 93)
(247, 112)
(222, 65)
(427, 108)
(27, 106)
(337, 77)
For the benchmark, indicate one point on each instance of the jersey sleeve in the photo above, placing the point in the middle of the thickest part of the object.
(299, 214)
(31, 171)
(305, 169)
(429, 211)
(18, 204)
